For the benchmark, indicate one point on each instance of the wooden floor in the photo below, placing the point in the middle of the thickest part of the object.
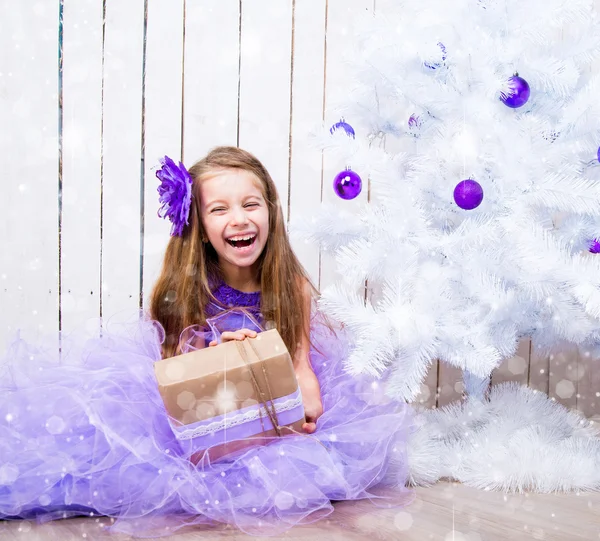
(445, 512)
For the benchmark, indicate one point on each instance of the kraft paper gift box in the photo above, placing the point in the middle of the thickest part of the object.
(221, 400)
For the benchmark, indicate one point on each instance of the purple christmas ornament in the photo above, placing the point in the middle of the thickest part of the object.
(347, 184)
(342, 125)
(414, 125)
(436, 65)
(518, 93)
(598, 154)
(414, 121)
(468, 194)
(595, 246)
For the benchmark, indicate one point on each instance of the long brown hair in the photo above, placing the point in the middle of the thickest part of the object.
(190, 266)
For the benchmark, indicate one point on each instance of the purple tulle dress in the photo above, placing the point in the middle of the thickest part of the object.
(87, 434)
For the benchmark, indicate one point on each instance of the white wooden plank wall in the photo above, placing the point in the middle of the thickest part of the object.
(307, 110)
(29, 98)
(123, 139)
(143, 78)
(162, 131)
(82, 90)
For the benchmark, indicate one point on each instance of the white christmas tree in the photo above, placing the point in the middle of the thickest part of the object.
(477, 128)
(478, 125)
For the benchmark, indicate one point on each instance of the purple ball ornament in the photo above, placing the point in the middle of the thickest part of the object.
(414, 121)
(343, 125)
(468, 194)
(436, 65)
(598, 154)
(595, 246)
(347, 184)
(518, 93)
(414, 125)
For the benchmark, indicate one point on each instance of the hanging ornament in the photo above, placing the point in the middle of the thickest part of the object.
(436, 65)
(342, 125)
(414, 125)
(598, 154)
(518, 92)
(468, 194)
(595, 246)
(347, 184)
(414, 121)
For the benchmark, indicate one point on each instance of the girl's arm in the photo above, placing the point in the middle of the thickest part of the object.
(307, 380)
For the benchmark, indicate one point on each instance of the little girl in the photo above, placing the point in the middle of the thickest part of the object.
(87, 433)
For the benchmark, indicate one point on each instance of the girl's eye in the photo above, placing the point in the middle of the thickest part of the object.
(219, 209)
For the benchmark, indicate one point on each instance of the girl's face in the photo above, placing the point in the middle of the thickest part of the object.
(235, 216)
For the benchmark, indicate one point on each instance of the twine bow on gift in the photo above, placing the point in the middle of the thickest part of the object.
(235, 319)
(239, 318)
(267, 401)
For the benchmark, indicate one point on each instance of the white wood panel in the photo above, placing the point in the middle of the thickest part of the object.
(337, 82)
(122, 153)
(163, 115)
(29, 141)
(82, 155)
(265, 87)
(211, 77)
(307, 113)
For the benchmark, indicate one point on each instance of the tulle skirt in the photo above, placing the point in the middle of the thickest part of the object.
(85, 432)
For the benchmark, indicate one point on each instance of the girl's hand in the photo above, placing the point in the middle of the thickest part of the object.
(311, 397)
(227, 336)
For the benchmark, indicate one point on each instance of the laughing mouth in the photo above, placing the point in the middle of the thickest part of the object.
(242, 241)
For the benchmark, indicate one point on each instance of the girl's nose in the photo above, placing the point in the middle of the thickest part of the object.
(239, 216)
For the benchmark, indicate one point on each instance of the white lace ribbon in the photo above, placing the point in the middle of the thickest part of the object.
(240, 417)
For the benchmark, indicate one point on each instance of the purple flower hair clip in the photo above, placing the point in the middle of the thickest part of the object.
(175, 193)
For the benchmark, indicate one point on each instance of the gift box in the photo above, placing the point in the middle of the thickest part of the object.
(221, 400)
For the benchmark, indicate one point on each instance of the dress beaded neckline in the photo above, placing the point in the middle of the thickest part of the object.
(232, 297)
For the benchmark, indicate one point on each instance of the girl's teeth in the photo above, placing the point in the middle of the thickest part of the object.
(243, 242)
